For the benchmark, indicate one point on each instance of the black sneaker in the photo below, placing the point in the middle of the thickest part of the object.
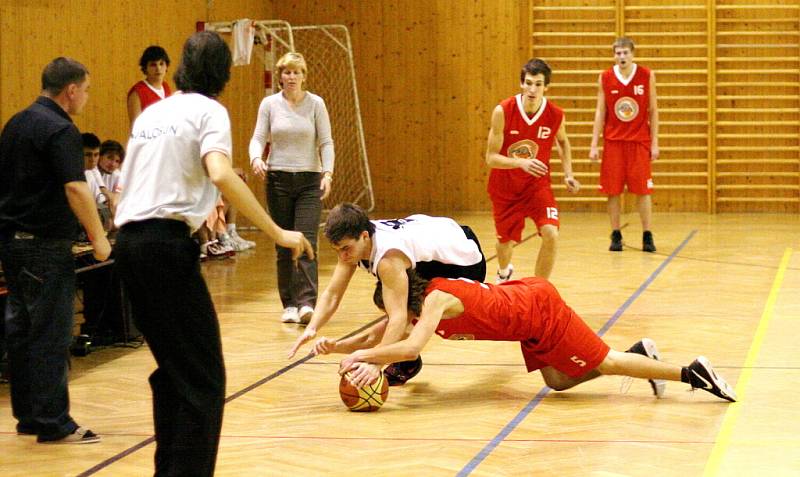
(703, 377)
(647, 347)
(647, 242)
(398, 373)
(616, 241)
(80, 435)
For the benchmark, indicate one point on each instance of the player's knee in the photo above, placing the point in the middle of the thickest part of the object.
(556, 380)
(549, 234)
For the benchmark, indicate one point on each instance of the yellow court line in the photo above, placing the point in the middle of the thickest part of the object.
(735, 409)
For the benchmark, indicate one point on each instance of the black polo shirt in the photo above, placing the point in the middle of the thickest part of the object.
(40, 151)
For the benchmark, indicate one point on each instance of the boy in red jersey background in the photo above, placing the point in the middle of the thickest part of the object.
(627, 111)
(521, 137)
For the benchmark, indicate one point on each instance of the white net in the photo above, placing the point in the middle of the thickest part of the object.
(329, 57)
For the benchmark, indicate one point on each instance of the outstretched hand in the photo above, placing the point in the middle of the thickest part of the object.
(308, 334)
(324, 346)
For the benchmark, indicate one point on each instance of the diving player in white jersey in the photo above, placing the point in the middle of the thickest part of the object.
(433, 246)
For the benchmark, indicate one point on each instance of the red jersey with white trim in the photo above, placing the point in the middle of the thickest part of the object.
(146, 94)
(517, 310)
(627, 105)
(525, 137)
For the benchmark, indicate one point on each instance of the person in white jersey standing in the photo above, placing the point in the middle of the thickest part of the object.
(179, 160)
(433, 246)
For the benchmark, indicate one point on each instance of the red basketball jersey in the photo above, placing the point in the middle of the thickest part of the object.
(514, 311)
(525, 137)
(146, 95)
(627, 104)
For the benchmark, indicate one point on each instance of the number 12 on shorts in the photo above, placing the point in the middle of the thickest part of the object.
(552, 213)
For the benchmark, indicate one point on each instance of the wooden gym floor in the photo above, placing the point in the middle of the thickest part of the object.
(725, 286)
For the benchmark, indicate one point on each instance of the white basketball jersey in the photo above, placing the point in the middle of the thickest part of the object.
(422, 238)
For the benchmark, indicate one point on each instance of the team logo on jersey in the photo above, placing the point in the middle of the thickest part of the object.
(626, 109)
(525, 149)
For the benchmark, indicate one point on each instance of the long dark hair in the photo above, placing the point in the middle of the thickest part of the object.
(416, 292)
(205, 65)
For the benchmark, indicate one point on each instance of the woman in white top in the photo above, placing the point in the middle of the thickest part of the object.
(299, 173)
(179, 160)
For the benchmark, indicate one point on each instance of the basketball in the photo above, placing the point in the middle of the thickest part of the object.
(367, 399)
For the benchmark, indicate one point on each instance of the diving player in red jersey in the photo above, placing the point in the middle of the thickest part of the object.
(627, 111)
(553, 337)
(521, 137)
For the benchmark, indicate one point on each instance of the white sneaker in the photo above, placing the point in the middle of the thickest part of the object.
(290, 315)
(246, 244)
(306, 312)
(229, 242)
(501, 278)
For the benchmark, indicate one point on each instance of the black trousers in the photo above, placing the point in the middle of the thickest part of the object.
(159, 266)
(294, 204)
(38, 328)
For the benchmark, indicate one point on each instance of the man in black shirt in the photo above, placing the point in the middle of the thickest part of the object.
(42, 190)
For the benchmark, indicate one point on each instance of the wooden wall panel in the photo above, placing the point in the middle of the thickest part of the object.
(429, 74)
(109, 37)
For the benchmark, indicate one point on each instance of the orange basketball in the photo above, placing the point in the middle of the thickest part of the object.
(367, 399)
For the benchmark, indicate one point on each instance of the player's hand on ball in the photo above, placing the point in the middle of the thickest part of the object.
(348, 362)
(572, 184)
(359, 373)
(324, 346)
(307, 335)
(259, 168)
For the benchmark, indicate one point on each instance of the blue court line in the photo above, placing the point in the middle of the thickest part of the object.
(484, 453)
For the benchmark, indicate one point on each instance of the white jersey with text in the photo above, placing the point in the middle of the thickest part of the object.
(423, 238)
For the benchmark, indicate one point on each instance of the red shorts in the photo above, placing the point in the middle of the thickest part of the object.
(626, 162)
(569, 346)
(509, 216)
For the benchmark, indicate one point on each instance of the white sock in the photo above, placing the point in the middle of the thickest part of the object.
(231, 229)
(504, 271)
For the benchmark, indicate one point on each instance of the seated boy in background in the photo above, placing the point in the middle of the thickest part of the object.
(103, 180)
(91, 150)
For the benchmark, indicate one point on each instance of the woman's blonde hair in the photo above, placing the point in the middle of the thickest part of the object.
(291, 60)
